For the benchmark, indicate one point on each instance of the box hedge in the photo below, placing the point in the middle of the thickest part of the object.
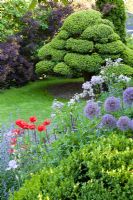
(100, 170)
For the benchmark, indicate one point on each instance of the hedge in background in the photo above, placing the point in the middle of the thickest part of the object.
(81, 46)
(101, 170)
(114, 10)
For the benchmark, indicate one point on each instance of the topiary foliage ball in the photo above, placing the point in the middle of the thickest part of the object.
(81, 46)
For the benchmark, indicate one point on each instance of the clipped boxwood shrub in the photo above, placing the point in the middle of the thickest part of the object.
(120, 69)
(47, 65)
(113, 37)
(92, 63)
(79, 46)
(62, 68)
(111, 48)
(79, 21)
(58, 43)
(114, 10)
(98, 33)
(83, 43)
(63, 35)
(128, 56)
(49, 53)
(100, 170)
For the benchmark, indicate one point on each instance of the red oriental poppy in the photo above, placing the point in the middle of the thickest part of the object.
(33, 119)
(41, 128)
(32, 126)
(22, 124)
(18, 122)
(47, 122)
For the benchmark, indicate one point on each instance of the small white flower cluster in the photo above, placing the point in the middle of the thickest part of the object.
(57, 105)
(123, 78)
(110, 62)
(87, 85)
(88, 89)
(12, 165)
(97, 80)
(112, 76)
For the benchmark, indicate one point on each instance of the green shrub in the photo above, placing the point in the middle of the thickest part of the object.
(100, 170)
(107, 22)
(112, 56)
(83, 43)
(63, 35)
(98, 33)
(113, 37)
(111, 48)
(58, 43)
(62, 69)
(44, 51)
(128, 56)
(47, 52)
(129, 41)
(79, 46)
(114, 10)
(120, 69)
(89, 63)
(44, 67)
(79, 21)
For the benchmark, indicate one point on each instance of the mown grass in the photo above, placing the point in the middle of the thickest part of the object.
(32, 99)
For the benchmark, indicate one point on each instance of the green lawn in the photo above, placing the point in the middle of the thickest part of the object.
(32, 99)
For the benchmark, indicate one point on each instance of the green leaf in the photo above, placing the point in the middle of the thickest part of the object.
(33, 4)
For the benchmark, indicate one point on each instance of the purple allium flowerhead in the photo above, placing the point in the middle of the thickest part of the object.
(112, 104)
(91, 110)
(108, 121)
(123, 123)
(128, 96)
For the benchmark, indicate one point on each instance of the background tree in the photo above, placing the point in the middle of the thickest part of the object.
(114, 10)
(35, 2)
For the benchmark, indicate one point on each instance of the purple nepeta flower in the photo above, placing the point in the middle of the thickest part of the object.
(112, 104)
(108, 121)
(91, 110)
(123, 123)
(128, 96)
(131, 124)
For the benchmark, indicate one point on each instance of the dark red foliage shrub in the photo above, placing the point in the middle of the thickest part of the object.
(14, 67)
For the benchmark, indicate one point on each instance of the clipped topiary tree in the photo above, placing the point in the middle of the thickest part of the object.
(114, 10)
(81, 46)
